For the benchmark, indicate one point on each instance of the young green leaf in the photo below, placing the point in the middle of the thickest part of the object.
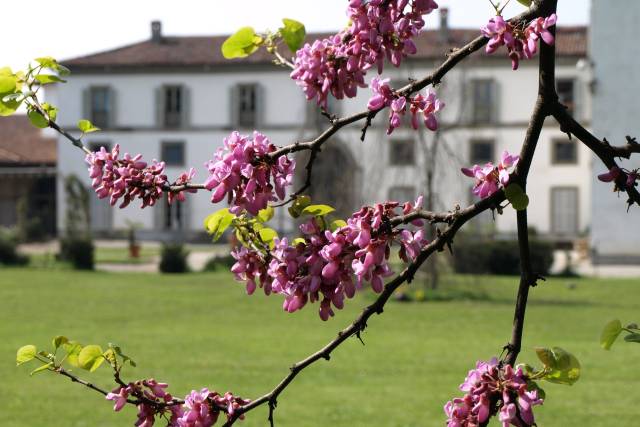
(42, 368)
(266, 214)
(546, 357)
(338, 223)
(301, 202)
(293, 34)
(218, 222)
(318, 210)
(516, 196)
(90, 357)
(45, 79)
(568, 368)
(86, 126)
(58, 341)
(241, 44)
(267, 235)
(610, 333)
(526, 3)
(72, 348)
(633, 337)
(25, 354)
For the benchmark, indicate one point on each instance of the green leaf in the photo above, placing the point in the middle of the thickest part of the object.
(301, 202)
(568, 371)
(338, 223)
(526, 3)
(318, 210)
(42, 368)
(45, 79)
(546, 357)
(218, 222)
(25, 354)
(516, 195)
(266, 214)
(110, 356)
(58, 341)
(610, 333)
(293, 34)
(86, 126)
(125, 358)
(299, 240)
(241, 44)
(90, 357)
(633, 337)
(53, 64)
(7, 83)
(267, 235)
(72, 348)
(37, 119)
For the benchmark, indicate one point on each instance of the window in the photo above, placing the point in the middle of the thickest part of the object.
(402, 194)
(481, 152)
(100, 106)
(564, 152)
(247, 105)
(566, 96)
(564, 210)
(173, 102)
(402, 152)
(173, 153)
(483, 101)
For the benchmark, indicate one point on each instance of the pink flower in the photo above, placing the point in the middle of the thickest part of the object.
(242, 172)
(128, 178)
(489, 178)
(612, 175)
(378, 30)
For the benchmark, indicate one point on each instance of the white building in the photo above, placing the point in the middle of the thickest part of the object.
(615, 234)
(176, 98)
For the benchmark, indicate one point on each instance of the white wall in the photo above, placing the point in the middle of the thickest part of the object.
(615, 52)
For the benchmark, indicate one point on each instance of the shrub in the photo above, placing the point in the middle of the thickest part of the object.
(499, 257)
(173, 258)
(9, 249)
(78, 251)
(219, 263)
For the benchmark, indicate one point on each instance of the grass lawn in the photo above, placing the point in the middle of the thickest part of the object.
(200, 330)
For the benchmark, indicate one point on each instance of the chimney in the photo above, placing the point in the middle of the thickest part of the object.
(444, 24)
(156, 31)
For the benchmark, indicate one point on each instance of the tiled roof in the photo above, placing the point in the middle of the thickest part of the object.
(23, 144)
(202, 52)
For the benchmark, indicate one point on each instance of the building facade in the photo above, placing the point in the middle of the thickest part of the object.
(176, 99)
(28, 174)
(615, 234)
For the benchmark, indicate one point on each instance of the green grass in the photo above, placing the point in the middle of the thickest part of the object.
(201, 330)
(108, 255)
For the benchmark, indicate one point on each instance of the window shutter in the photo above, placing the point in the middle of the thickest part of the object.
(86, 104)
(495, 100)
(260, 117)
(112, 121)
(234, 106)
(159, 104)
(468, 105)
(185, 121)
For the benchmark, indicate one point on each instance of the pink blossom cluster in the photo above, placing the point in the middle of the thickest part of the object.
(128, 177)
(488, 385)
(378, 29)
(384, 95)
(489, 177)
(521, 43)
(242, 172)
(328, 266)
(155, 403)
(183, 179)
(200, 409)
(615, 172)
